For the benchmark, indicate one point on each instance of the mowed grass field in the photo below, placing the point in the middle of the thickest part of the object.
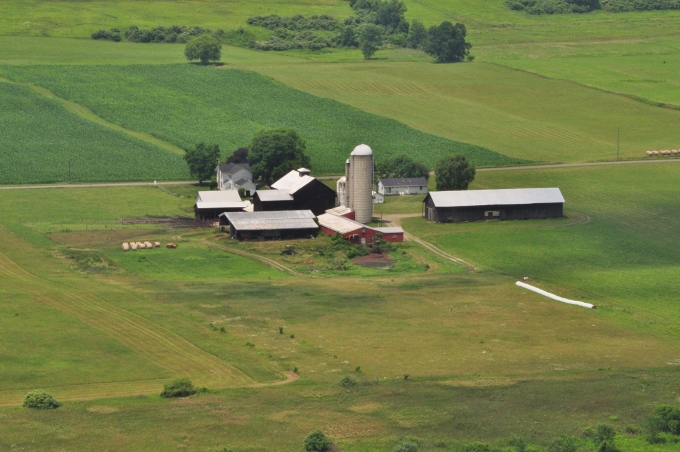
(468, 341)
(188, 104)
(623, 258)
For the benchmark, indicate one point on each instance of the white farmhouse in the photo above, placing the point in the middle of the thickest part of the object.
(232, 176)
(405, 186)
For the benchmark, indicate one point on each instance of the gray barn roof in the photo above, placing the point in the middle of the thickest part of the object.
(232, 168)
(405, 182)
(470, 198)
(274, 195)
(263, 221)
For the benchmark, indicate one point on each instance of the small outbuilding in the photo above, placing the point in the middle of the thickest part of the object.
(404, 186)
(210, 204)
(505, 204)
(287, 224)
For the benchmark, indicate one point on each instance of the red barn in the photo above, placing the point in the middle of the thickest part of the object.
(356, 232)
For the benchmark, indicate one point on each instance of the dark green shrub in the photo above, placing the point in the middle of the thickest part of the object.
(181, 387)
(564, 443)
(317, 442)
(40, 400)
(348, 382)
(477, 447)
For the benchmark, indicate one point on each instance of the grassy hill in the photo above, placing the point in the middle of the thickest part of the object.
(189, 104)
(39, 137)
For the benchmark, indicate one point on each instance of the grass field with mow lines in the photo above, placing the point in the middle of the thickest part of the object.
(38, 137)
(188, 104)
(512, 112)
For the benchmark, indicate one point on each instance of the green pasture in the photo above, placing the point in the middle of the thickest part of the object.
(468, 341)
(512, 112)
(189, 262)
(617, 248)
(39, 138)
(440, 416)
(188, 104)
(80, 19)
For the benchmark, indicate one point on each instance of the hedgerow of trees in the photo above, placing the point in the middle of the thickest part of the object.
(376, 24)
(401, 166)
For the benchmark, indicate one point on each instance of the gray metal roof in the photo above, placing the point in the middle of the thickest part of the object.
(262, 221)
(404, 182)
(469, 198)
(292, 182)
(224, 196)
(274, 195)
(343, 225)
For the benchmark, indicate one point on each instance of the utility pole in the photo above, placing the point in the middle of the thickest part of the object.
(618, 141)
(69, 169)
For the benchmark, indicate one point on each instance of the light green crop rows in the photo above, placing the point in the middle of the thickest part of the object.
(188, 104)
(38, 138)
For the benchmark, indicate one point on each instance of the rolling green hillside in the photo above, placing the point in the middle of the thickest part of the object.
(39, 137)
(188, 104)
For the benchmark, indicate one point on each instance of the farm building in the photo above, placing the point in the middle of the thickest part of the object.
(342, 211)
(356, 232)
(405, 186)
(210, 204)
(272, 225)
(296, 190)
(508, 204)
(378, 198)
(232, 176)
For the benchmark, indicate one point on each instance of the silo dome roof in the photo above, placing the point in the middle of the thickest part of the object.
(362, 149)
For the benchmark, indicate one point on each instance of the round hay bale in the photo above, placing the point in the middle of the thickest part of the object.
(157, 244)
(148, 245)
(648, 153)
(675, 151)
(140, 245)
(134, 247)
(655, 152)
(126, 247)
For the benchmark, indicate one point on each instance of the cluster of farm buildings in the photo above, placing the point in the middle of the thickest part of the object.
(300, 205)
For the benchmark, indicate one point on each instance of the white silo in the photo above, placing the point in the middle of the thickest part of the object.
(341, 187)
(360, 183)
(348, 187)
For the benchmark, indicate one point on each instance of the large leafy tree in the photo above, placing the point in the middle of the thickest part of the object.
(454, 173)
(401, 166)
(202, 161)
(446, 42)
(273, 153)
(204, 48)
(370, 40)
(240, 155)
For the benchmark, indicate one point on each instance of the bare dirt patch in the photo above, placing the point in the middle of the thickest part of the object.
(379, 261)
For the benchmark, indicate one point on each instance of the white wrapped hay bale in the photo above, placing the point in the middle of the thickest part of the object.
(648, 153)
(126, 247)
(157, 244)
(133, 247)
(148, 245)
